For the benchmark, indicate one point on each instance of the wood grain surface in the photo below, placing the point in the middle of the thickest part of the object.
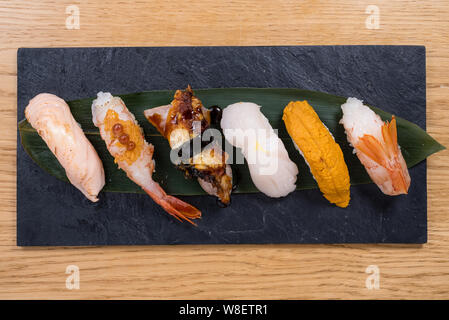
(232, 271)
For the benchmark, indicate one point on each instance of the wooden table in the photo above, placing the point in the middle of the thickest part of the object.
(231, 271)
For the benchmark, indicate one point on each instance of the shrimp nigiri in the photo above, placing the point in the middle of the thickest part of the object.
(376, 146)
(126, 143)
(180, 122)
(52, 119)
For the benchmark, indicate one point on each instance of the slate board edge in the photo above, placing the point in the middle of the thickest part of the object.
(18, 116)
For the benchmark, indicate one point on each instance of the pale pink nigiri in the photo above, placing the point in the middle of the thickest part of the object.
(52, 119)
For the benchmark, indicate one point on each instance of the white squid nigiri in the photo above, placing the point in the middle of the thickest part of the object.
(52, 119)
(376, 146)
(126, 143)
(271, 169)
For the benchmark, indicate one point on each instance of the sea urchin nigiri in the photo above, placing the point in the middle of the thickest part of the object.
(320, 151)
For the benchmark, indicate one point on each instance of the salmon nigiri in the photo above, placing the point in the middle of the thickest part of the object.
(126, 143)
(376, 145)
(52, 119)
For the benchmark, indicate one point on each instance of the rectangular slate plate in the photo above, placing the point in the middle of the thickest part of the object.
(53, 213)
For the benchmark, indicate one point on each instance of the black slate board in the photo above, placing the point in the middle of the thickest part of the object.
(51, 212)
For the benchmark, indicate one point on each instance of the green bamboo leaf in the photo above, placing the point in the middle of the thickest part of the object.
(415, 143)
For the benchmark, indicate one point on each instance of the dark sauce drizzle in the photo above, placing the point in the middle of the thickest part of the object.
(235, 178)
(215, 115)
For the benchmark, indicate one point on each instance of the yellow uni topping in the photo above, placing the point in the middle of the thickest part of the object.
(320, 150)
(125, 134)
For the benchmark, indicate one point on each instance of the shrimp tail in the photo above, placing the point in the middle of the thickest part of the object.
(400, 176)
(174, 206)
(388, 155)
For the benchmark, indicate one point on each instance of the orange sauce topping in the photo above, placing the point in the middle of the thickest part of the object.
(132, 130)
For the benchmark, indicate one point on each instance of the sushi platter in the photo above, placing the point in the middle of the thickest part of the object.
(222, 145)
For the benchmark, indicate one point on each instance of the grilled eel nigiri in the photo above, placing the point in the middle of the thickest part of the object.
(183, 120)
